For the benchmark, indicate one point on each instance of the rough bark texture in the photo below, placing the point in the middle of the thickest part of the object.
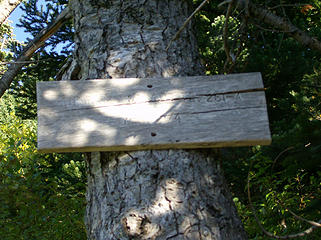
(168, 194)
(7, 7)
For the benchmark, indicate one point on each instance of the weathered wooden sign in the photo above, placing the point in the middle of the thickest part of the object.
(152, 113)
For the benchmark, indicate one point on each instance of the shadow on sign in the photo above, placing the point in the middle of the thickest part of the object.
(152, 113)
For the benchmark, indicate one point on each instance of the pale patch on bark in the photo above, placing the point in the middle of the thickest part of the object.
(7, 7)
(170, 194)
(159, 195)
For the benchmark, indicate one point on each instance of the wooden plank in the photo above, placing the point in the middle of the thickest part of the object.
(152, 113)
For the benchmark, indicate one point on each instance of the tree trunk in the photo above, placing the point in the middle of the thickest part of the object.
(171, 194)
(7, 7)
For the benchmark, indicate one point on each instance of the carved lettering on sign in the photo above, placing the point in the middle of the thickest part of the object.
(152, 113)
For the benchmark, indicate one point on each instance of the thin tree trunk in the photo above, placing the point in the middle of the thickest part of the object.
(34, 45)
(6, 8)
(169, 194)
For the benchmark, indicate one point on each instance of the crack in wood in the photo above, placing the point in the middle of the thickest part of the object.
(156, 113)
(198, 96)
(220, 110)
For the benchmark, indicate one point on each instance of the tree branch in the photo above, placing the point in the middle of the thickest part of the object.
(225, 37)
(289, 5)
(271, 235)
(313, 223)
(280, 154)
(266, 16)
(15, 62)
(185, 23)
(34, 45)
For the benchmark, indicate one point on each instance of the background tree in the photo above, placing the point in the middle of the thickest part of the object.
(41, 195)
(287, 66)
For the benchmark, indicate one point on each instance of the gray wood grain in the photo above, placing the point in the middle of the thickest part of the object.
(152, 113)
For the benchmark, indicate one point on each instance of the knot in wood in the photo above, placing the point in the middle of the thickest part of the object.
(132, 224)
(137, 225)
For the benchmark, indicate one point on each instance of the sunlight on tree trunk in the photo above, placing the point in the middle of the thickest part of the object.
(169, 194)
(7, 7)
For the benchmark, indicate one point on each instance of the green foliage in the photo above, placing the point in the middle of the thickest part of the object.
(292, 75)
(45, 66)
(46, 63)
(6, 39)
(38, 16)
(41, 195)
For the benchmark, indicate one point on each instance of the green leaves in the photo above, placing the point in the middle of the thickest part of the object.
(41, 195)
(287, 173)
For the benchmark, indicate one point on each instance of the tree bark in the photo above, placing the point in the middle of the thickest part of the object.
(168, 194)
(6, 8)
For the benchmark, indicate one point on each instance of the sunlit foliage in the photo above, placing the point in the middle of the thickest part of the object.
(41, 195)
(287, 174)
